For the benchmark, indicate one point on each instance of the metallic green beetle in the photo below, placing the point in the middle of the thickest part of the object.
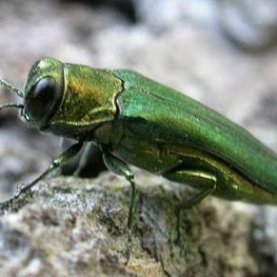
(135, 120)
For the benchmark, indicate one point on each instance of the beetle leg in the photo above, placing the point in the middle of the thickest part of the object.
(59, 161)
(205, 182)
(121, 168)
(84, 158)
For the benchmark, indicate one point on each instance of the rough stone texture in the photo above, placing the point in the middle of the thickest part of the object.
(74, 226)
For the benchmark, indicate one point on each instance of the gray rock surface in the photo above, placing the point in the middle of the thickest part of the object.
(77, 227)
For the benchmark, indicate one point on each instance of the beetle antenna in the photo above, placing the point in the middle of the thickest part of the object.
(11, 87)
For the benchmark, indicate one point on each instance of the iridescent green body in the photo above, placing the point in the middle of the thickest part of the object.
(146, 124)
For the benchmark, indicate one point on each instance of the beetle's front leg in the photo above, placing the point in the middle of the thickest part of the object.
(59, 161)
(121, 168)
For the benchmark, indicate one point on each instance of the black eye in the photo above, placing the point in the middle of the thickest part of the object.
(42, 100)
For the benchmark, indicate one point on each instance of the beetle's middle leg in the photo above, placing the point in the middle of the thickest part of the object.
(84, 158)
(121, 168)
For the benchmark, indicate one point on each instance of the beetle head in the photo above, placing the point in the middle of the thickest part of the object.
(43, 92)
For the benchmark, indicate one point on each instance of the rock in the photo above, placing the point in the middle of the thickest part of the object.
(78, 227)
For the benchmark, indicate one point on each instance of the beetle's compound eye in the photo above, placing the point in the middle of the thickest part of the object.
(42, 100)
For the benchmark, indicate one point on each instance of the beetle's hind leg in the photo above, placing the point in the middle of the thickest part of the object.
(62, 159)
(203, 181)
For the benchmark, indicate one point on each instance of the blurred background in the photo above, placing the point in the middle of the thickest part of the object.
(221, 52)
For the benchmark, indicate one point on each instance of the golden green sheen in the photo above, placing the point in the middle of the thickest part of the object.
(89, 100)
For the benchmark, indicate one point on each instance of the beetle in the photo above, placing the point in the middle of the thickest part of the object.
(135, 120)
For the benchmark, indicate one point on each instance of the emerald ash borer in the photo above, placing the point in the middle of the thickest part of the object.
(135, 120)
